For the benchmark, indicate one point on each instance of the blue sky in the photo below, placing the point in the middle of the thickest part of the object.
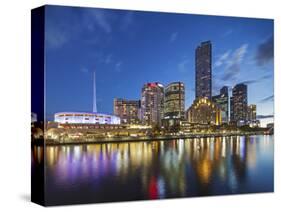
(130, 48)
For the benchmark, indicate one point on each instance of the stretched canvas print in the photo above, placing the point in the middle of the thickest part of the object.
(136, 105)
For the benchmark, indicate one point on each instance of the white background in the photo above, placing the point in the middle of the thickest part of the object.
(15, 104)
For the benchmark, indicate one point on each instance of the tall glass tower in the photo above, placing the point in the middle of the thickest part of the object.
(203, 70)
(240, 102)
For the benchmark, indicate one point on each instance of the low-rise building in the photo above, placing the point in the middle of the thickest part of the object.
(204, 111)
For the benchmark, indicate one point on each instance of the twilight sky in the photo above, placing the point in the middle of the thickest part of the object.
(130, 48)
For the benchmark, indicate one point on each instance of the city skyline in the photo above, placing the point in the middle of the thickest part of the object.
(123, 68)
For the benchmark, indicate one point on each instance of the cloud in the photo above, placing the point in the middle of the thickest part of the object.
(182, 66)
(173, 37)
(64, 25)
(118, 66)
(108, 59)
(268, 76)
(127, 20)
(232, 64)
(264, 53)
(227, 33)
(267, 99)
(101, 19)
(249, 82)
(56, 38)
(84, 70)
(264, 116)
(222, 59)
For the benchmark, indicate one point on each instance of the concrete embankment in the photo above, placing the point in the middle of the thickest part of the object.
(148, 138)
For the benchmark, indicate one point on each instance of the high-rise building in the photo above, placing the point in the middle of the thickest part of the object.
(224, 91)
(204, 111)
(152, 103)
(252, 112)
(174, 95)
(221, 101)
(174, 101)
(127, 110)
(231, 109)
(240, 103)
(203, 70)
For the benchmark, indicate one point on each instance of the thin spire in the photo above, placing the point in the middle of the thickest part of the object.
(94, 93)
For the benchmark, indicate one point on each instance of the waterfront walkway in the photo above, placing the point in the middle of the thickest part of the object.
(148, 138)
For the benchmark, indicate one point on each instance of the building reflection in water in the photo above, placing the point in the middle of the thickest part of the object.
(159, 169)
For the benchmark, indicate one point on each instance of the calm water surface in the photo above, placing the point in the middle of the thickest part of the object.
(157, 169)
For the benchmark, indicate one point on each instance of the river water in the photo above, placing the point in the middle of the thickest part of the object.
(156, 169)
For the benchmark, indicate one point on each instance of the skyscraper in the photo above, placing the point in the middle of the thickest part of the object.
(252, 112)
(240, 103)
(203, 70)
(231, 109)
(127, 110)
(221, 101)
(152, 103)
(174, 100)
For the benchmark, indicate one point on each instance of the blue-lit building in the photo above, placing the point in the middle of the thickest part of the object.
(87, 117)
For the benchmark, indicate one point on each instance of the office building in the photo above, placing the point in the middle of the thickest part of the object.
(127, 110)
(221, 101)
(203, 70)
(252, 112)
(174, 101)
(152, 103)
(240, 103)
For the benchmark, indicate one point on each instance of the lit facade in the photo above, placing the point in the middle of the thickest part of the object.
(152, 103)
(85, 118)
(240, 103)
(174, 101)
(127, 110)
(254, 123)
(221, 101)
(203, 70)
(204, 111)
(252, 112)
(70, 132)
(231, 115)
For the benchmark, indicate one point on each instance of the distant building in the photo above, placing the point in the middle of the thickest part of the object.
(252, 112)
(231, 109)
(270, 125)
(240, 103)
(254, 123)
(221, 101)
(174, 100)
(85, 118)
(204, 111)
(152, 103)
(203, 70)
(127, 110)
